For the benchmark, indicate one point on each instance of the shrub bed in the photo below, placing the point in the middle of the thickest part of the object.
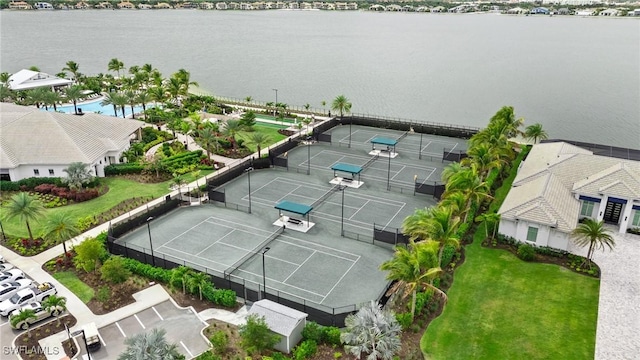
(123, 169)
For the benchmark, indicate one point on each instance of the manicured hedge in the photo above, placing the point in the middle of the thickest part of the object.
(123, 169)
(29, 183)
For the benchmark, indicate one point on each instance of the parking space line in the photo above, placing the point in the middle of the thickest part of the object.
(137, 318)
(101, 339)
(119, 328)
(185, 347)
(198, 317)
(157, 313)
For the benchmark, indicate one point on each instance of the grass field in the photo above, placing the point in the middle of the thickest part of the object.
(270, 130)
(71, 282)
(119, 190)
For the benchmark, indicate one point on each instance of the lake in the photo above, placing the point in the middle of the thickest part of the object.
(579, 77)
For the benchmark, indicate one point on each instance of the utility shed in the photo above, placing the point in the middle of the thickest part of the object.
(288, 323)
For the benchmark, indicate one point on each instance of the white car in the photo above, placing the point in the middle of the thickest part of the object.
(40, 312)
(11, 275)
(6, 267)
(8, 289)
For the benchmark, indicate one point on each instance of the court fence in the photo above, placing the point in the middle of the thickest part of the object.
(440, 129)
(437, 189)
(450, 155)
(248, 290)
(132, 222)
(393, 236)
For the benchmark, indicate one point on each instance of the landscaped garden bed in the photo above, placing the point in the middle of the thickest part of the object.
(28, 343)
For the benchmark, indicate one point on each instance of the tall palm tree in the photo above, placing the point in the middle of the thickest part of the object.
(207, 137)
(259, 139)
(341, 104)
(231, 129)
(110, 98)
(74, 69)
(132, 100)
(60, 227)
(144, 98)
(505, 119)
(413, 267)
(26, 208)
(73, 94)
(36, 96)
(52, 98)
(24, 315)
(150, 345)
(490, 219)
(484, 157)
(450, 170)
(595, 235)
(372, 331)
(181, 276)
(55, 304)
(179, 182)
(198, 280)
(456, 201)
(443, 227)
(157, 94)
(469, 183)
(535, 132)
(115, 65)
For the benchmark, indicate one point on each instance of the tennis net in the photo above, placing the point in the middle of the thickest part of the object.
(403, 135)
(231, 269)
(370, 161)
(325, 196)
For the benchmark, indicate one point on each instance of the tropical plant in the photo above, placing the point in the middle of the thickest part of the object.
(248, 99)
(36, 96)
(180, 277)
(74, 69)
(24, 315)
(55, 304)
(592, 233)
(26, 208)
(51, 98)
(413, 267)
(231, 129)
(341, 104)
(179, 181)
(207, 137)
(198, 280)
(535, 132)
(73, 94)
(59, 228)
(490, 219)
(115, 65)
(4, 78)
(78, 174)
(88, 254)
(259, 140)
(150, 345)
(143, 98)
(114, 270)
(5, 93)
(248, 120)
(373, 332)
(117, 100)
(443, 226)
(256, 336)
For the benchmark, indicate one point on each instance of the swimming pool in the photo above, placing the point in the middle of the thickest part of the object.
(94, 106)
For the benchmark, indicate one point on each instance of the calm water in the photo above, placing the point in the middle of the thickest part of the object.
(579, 77)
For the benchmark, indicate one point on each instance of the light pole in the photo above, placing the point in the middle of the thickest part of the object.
(275, 106)
(153, 259)
(248, 171)
(389, 169)
(342, 188)
(350, 121)
(264, 274)
(84, 338)
(308, 159)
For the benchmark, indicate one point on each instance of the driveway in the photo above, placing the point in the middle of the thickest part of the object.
(617, 334)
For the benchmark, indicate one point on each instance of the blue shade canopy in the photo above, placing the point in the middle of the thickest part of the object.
(295, 208)
(353, 169)
(384, 141)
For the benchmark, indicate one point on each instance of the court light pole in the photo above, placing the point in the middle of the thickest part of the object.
(389, 170)
(248, 171)
(153, 258)
(308, 159)
(264, 274)
(275, 106)
(342, 188)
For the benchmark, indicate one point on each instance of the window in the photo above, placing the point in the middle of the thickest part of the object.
(36, 172)
(636, 218)
(51, 172)
(532, 234)
(587, 208)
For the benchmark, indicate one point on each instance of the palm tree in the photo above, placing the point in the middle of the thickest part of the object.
(594, 234)
(450, 170)
(5, 94)
(181, 275)
(341, 104)
(60, 227)
(25, 207)
(505, 119)
(24, 315)
(535, 132)
(489, 219)
(115, 65)
(143, 98)
(259, 139)
(413, 267)
(73, 94)
(456, 201)
(372, 331)
(51, 98)
(132, 99)
(78, 174)
(207, 137)
(248, 99)
(443, 227)
(36, 96)
(198, 280)
(157, 94)
(150, 345)
(179, 181)
(231, 129)
(111, 98)
(484, 157)
(4, 78)
(469, 183)
(56, 305)
(74, 69)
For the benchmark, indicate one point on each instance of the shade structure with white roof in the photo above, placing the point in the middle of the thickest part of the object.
(29, 79)
(288, 323)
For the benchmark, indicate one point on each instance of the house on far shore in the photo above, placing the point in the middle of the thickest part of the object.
(564, 11)
(29, 79)
(587, 12)
(284, 321)
(558, 184)
(37, 143)
(19, 5)
(609, 12)
(540, 11)
(104, 5)
(163, 5)
(126, 5)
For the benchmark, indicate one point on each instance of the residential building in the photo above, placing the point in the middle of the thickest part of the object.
(19, 5)
(540, 11)
(558, 184)
(207, 6)
(82, 5)
(145, 6)
(163, 5)
(37, 143)
(609, 12)
(104, 5)
(43, 6)
(126, 5)
(221, 6)
(29, 79)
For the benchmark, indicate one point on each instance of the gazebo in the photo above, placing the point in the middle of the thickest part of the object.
(290, 222)
(390, 151)
(352, 170)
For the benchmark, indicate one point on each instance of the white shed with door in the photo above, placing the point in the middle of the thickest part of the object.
(284, 321)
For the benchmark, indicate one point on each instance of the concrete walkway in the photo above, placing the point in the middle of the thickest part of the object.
(618, 329)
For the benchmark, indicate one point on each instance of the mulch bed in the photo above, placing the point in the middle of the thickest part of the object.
(186, 300)
(119, 294)
(29, 347)
(147, 178)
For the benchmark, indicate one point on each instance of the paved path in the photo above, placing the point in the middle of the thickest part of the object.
(618, 329)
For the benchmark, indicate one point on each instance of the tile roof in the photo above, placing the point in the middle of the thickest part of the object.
(280, 319)
(32, 136)
(29, 79)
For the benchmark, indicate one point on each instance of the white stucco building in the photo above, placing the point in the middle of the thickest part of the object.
(558, 184)
(284, 321)
(29, 79)
(36, 143)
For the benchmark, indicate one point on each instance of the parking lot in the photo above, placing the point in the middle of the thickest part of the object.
(182, 325)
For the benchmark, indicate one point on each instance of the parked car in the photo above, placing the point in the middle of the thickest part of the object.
(11, 275)
(40, 312)
(8, 289)
(6, 267)
(27, 296)
(91, 334)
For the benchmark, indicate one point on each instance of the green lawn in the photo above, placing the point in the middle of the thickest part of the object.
(271, 130)
(119, 190)
(71, 282)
